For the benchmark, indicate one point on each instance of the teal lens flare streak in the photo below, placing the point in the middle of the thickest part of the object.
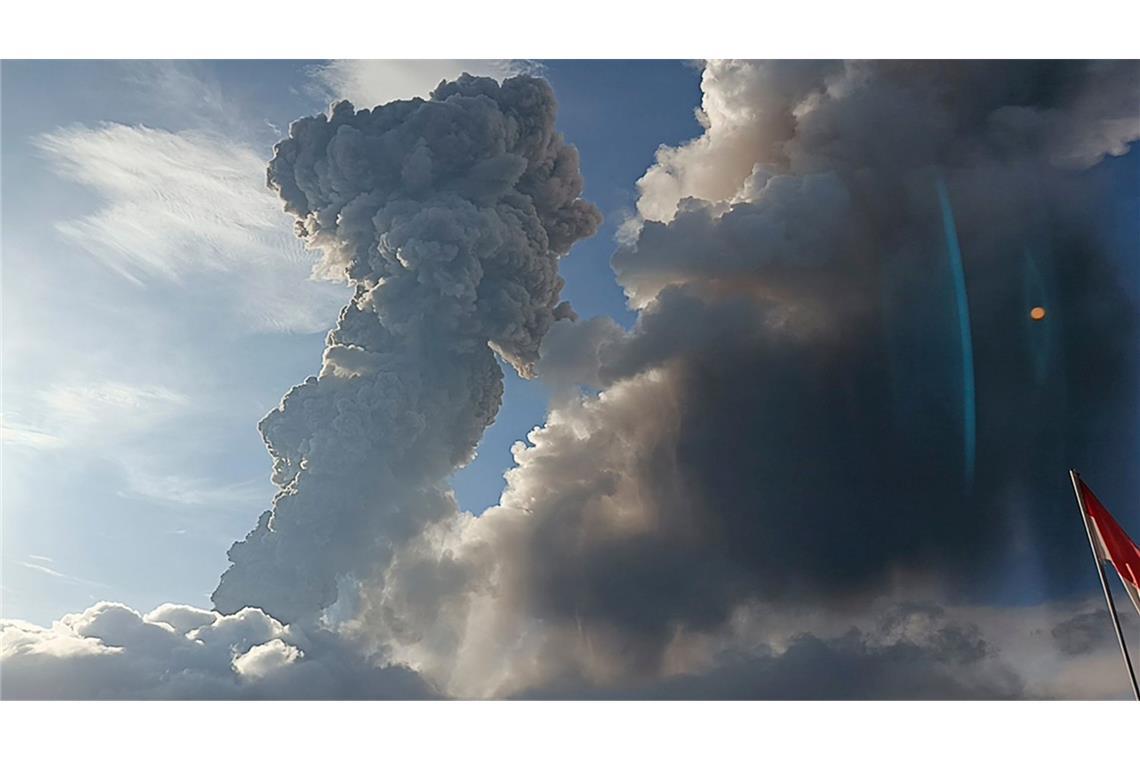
(969, 400)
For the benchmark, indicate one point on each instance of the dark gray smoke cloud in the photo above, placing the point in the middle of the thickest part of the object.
(449, 217)
(786, 422)
(810, 343)
(1083, 633)
(914, 653)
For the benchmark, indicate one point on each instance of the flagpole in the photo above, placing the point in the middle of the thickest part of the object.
(1075, 477)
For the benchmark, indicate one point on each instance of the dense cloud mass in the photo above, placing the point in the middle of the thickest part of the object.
(913, 652)
(808, 470)
(787, 422)
(448, 216)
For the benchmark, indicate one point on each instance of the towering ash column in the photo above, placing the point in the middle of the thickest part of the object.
(448, 217)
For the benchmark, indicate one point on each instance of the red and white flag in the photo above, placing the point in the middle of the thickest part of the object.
(1112, 544)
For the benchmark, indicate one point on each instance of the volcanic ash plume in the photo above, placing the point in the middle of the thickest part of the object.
(448, 217)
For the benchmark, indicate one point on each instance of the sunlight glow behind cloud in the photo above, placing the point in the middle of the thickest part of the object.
(372, 82)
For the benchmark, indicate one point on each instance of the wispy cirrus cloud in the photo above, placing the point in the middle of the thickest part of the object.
(14, 433)
(179, 490)
(108, 416)
(100, 404)
(65, 415)
(43, 567)
(179, 205)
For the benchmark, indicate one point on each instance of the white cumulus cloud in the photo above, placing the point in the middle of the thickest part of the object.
(111, 651)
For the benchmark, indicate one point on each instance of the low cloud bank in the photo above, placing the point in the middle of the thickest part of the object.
(110, 651)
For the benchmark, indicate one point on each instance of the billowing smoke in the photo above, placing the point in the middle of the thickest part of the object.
(448, 216)
(811, 412)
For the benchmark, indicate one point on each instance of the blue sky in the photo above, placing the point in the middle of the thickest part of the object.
(134, 370)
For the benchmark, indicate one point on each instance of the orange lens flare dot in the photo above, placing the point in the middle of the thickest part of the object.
(1037, 313)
